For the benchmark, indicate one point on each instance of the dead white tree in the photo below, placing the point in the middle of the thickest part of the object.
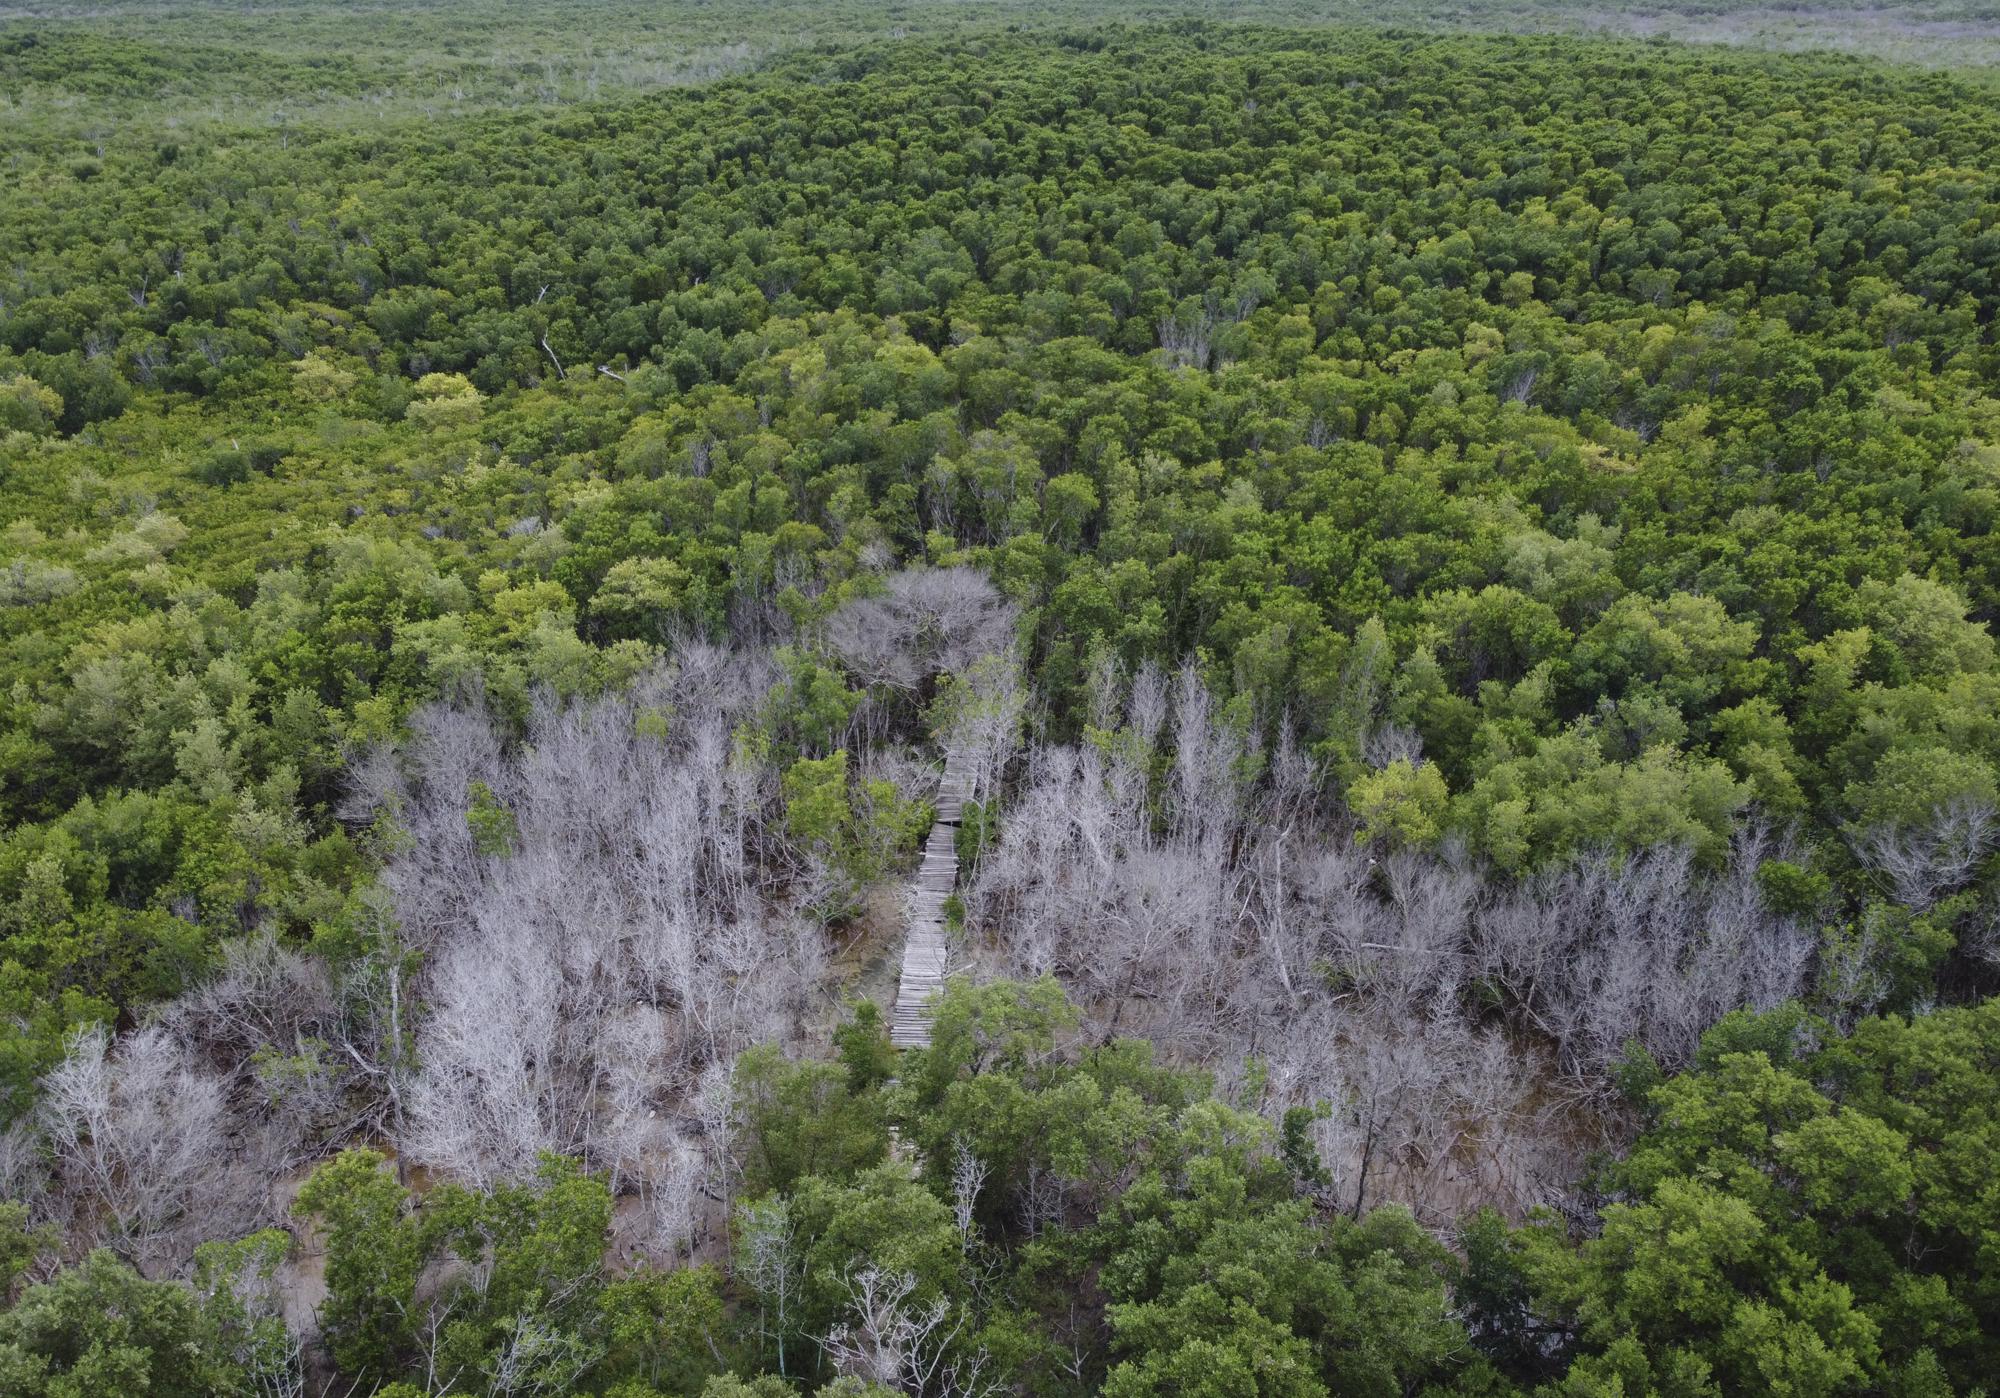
(1186, 337)
(1222, 918)
(968, 1175)
(137, 1137)
(609, 938)
(1982, 943)
(1146, 923)
(923, 622)
(1923, 863)
(1606, 951)
(267, 1028)
(890, 1341)
(535, 1358)
(767, 1258)
(990, 697)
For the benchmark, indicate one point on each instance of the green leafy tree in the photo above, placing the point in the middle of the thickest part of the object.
(1764, 1241)
(376, 1249)
(805, 1118)
(100, 1328)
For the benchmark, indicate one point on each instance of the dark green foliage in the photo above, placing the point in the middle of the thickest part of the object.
(862, 1045)
(100, 1328)
(494, 831)
(534, 1290)
(1616, 420)
(1805, 1213)
(1216, 1287)
(375, 1250)
(21, 1245)
(1802, 1216)
(1182, 1257)
(1606, 432)
(808, 1118)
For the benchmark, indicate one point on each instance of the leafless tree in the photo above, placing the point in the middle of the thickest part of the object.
(767, 1258)
(968, 1175)
(938, 494)
(924, 622)
(1982, 943)
(24, 1173)
(1391, 742)
(1210, 767)
(283, 1374)
(186, 1128)
(267, 1028)
(1043, 1201)
(270, 1353)
(1223, 918)
(890, 1341)
(1607, 951)
(1923, 863)
(578, 982)
(877, 1342)
(536, 1358)
(1434, 1111)
(984, 724)
(1186, 338)
(1138, 921)
(137, 1133)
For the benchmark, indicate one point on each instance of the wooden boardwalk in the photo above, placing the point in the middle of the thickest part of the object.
(925, 954)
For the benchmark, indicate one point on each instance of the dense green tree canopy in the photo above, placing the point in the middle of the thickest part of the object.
(1540, 470)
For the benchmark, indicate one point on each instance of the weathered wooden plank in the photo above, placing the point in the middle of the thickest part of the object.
(926, 955)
